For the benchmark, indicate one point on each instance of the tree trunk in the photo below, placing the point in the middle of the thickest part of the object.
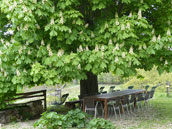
(90, 86)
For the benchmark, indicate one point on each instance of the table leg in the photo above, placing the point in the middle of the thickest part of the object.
(122, 108)
(135, 102)
(105, 104)
(83, 106)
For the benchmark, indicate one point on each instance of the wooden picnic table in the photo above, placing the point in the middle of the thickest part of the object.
(110, 96)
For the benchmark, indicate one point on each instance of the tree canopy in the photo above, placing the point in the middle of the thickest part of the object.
(55, 41)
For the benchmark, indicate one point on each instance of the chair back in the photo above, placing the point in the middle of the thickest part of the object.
(151, 94)
(132, 98)
(125, 99)
(140, 97)
(130, 87)
(64, 97)
(89, 102)
(153, 88)
(111, 88)
(101, 89)
(146, 87)
(147, 95)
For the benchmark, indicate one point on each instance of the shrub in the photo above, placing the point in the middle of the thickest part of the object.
(52, 120)
(99, 123)
(77, 118)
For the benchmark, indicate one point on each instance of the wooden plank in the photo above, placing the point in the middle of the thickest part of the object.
(30, 93)
(23, 97)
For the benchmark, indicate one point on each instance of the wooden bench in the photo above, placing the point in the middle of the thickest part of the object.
(72, 104)
(27, 95)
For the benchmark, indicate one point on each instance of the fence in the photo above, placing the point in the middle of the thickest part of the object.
(33, 94)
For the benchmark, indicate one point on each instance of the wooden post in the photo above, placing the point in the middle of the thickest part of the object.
(167, 91)
(106, 110)
(45, 100)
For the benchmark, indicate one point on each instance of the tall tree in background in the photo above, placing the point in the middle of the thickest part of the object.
(55, 41)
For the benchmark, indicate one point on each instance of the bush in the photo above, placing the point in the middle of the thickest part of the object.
(52, 120)
(77, 118)
(98, 123)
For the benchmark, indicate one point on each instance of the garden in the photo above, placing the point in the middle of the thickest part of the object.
(62, 59)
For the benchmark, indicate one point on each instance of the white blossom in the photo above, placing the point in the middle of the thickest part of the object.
(43, 1)
(114, 40)
(24, 71)
(123, 54)
(42, 43)
(86, 48)
(50, 53)
(61, 20)
(7, 43)
(20, 50)
(144, 46)
(2, 40)
(117, 47)
(166, 62)
(52, 21)
(28, 52)
(79, 66)
(106, 25)
(97, 48)
(159, 37)
(17, 72)
(86, 25)
(61, 14)
(26, 27)
(169, 22)
(117, 22)
(122, 27)
(130, 15)
(141, 1)
(131, 50)
(122, 44)
(154, 39)
(92, 35)
(21, 1)
(168, 32)
(80, 48)
(116, 15)
(153, 31)
(102, 48)
(15, 3)
(60, 52)
(140, 14)
(70, 31)
(116, 59)
(5, 74)
(80, 32)
(48, 47)
(110, 41)
(161, 59)
(24, 9)
(128, 25)
(35, 1)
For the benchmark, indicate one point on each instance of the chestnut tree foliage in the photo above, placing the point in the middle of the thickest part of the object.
(56, 41)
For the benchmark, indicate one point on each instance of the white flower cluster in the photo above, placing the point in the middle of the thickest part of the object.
(106, 25)
(139, 14)
(61, 18)
(18, 72)
(97, 48)
(60, 52)
(52, 21)
(131, 50)
(116, 59)
(20, 50)
(130, 15)
(50, 53)
(168, 32)
(154, 38)
(116, 16)
(110, 42)
(42, 43)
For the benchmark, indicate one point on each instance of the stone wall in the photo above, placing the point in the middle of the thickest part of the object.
(31, 110)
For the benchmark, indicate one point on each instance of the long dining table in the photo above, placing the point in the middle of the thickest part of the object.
(110, 96)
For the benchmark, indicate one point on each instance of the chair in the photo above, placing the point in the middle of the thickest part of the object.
(111, 89)
(130, 87)
(140, 97)
(101, 89)
(146, 87)
(115, 104)
(132, 99)
(63, 99)
(151, 94)
(125, 102)
(90, 105)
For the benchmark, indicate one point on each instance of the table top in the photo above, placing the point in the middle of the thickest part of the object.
(116, 94)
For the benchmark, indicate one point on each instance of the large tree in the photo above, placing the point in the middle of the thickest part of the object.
(55, 41)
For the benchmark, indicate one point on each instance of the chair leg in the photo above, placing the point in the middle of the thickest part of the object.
(115, 111)
(95, 113)
(127, 108)
(119, 112)
(131, 109)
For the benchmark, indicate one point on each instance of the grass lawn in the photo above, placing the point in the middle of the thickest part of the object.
(159, 116)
